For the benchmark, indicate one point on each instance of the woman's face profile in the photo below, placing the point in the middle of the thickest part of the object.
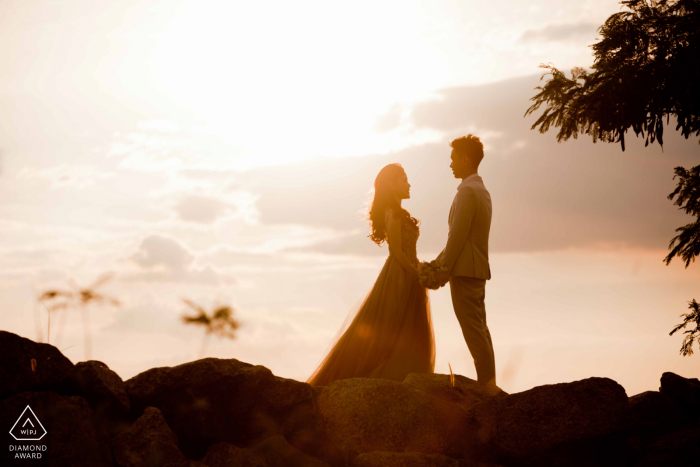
(401, 187)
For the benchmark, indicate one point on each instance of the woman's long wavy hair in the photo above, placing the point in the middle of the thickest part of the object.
(383, 199)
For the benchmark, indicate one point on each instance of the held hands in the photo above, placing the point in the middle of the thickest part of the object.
(432, 276)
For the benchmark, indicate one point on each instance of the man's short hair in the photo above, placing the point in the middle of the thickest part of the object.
(470, 146)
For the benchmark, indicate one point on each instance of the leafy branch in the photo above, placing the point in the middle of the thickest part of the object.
(691, 334)
(686, 244)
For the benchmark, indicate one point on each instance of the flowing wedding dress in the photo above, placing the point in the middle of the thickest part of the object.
(391, 335)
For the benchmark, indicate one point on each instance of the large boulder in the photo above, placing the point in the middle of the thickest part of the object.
(73, 437)
(581, 423)
(685, 390)
(271, 452)
(225, 454)
(51, 371)
(216, 399)
(368, 414)
(679, 449)
(148, 442)
(654, 414)
(466, 392)
(105, 392)
(403, 459)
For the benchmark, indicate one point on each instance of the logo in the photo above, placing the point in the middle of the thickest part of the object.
(28, 427)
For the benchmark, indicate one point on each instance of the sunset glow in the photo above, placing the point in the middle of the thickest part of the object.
(222, 152)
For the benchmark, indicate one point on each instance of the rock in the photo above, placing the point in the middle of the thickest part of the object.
(105, 392)
(654, 414)
(148, 442)
(572, 424)
(272, 452)
(216, 399)
(224, 454)
(368, 414)
(73, 435)
(679, 449)
(403, 459)
(685, 390)
(52, 371)
(466, 392)
(278, 452)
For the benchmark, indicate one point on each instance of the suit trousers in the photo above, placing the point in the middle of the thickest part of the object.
(468, 294)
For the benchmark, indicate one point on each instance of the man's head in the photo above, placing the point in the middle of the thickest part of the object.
(467, 152)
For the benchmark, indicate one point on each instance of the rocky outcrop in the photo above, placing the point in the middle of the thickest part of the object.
(679, 449)
(403, 459)
(73, 435)
(105, 392)
(272, 452)
(222, 412)
(654, 414)
(214, 399)
(149, 441)
(684, 390)
(28, 366)
(570, 424)
(465, 392)
(363, 415)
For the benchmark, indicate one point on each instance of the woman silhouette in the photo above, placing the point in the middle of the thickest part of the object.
(391, 335)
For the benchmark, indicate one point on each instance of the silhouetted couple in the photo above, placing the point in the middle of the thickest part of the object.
(391, 333)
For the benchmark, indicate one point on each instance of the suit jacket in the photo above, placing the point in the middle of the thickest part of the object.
(467, 249)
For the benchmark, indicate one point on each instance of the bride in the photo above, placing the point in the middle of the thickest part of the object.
(391, 335)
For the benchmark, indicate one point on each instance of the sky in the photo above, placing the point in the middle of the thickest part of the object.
(222, 152)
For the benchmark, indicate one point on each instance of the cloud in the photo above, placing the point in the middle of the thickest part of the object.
(166, 259)
(546, 195)
(158, 250)
(561, 33)
(200, 210)
(550, 195)
(160, 126)
(390, 120)
(355, 243)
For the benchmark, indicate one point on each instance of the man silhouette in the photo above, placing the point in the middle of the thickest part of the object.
(466, 254)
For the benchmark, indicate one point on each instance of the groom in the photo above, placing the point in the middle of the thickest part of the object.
(466, 255)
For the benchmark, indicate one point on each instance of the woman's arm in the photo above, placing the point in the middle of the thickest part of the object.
(393, 234)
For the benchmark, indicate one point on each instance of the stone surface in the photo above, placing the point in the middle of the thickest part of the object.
(105, 392)
(466, 392)
(52, 371)
(272, 452)
(215, 399)
(363, 415)
(654, 414)
(685, 390)
(225, 454)
(403, 459)
(148, 442)
(73, 435)
(571, 424)
(679, 449)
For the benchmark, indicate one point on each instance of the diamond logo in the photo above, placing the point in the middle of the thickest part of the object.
(28, 427)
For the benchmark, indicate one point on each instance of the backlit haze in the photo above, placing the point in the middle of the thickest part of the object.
(222, 151)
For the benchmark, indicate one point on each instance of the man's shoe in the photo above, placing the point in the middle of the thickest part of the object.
(491, 389)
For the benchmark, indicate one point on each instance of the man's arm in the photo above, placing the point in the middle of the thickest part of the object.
(465, 207)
